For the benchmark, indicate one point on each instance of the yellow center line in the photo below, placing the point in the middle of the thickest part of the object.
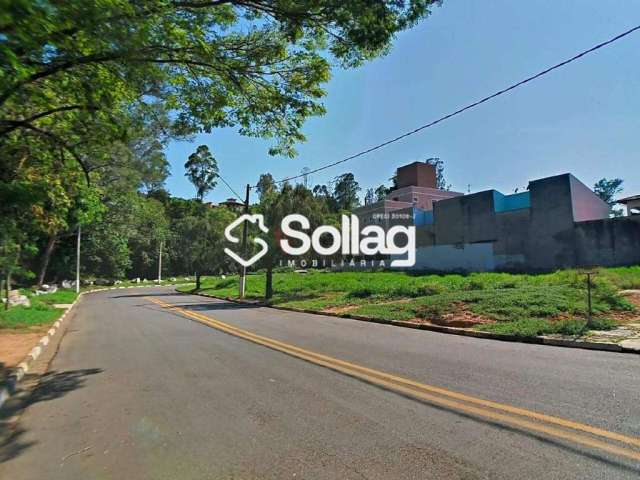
(424, 392)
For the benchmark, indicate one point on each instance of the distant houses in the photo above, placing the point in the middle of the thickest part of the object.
(632, 204)
(230, 203)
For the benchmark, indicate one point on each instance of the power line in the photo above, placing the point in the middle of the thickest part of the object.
(468, 107)
(229, 187)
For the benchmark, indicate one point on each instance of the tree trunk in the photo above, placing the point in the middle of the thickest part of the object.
(197, 280)
(268, 290)
(47, 256)
(7, 286)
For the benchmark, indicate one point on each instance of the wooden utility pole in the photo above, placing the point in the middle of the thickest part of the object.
(7, 288)
(245, 232)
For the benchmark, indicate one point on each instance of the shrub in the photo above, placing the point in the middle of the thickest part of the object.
(475, 284)
(526, 327)
(362, 292)
(429, 289)
(226, 283)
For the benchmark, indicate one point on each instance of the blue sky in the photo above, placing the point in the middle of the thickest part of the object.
(584, 118)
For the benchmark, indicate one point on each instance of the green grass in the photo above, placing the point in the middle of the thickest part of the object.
(40, 313)
(519, 304)
(22, 317)
(529, 327)
(61, 296)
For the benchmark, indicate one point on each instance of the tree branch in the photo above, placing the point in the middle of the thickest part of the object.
(58, 141)
(13, 125)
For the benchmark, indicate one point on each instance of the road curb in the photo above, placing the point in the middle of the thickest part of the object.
(465, 332)
(10, 385)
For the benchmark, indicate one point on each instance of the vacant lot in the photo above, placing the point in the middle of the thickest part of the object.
(507, 303)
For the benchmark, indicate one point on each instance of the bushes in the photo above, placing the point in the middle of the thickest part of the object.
(361, 292)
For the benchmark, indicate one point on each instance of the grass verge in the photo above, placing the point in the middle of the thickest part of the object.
(40, 313)
(514, 304)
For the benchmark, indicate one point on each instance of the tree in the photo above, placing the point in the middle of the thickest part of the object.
(202, 171)
(91, 91)
(200, 240)
(394, 182)
(151, 229)
(323, 194)
(369, 197)
(13, 245)
(106, 250)
(275, 207)
(256, 65)
(345, 191)
(441, 182)
(265, 186)
(381, 193)
(321, 191)
(607, 190)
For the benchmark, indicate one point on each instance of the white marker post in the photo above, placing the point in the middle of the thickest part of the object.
(160, 264)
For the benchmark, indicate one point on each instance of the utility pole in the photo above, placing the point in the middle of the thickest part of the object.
(160, 264)
(78, 259)
(245, 232)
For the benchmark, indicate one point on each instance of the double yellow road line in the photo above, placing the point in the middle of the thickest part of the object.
(521, 418)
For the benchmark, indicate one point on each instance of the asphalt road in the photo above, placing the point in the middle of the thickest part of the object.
(138, 390)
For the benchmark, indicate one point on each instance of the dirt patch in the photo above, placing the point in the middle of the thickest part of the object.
(347, 308)
(624, 317)
(633, 296)
(460, 317)
(15, 345)
(340, 309)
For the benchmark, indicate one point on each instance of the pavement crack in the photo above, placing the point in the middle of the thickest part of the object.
(85, 449)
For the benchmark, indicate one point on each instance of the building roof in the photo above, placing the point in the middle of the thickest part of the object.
(628, 199)
(231, 202)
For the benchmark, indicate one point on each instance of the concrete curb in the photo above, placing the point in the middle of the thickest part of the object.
(465, 332)
(9, 387)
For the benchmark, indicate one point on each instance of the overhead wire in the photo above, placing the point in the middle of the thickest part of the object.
(465, 108)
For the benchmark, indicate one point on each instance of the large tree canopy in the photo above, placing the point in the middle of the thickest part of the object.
(202, 171)
(91, 92)
(256, 64)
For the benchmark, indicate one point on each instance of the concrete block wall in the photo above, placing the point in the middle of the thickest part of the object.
(611, 242)
(512, 239)
(466, 219)
(550, 233)
(586, 205)
(562, 224)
